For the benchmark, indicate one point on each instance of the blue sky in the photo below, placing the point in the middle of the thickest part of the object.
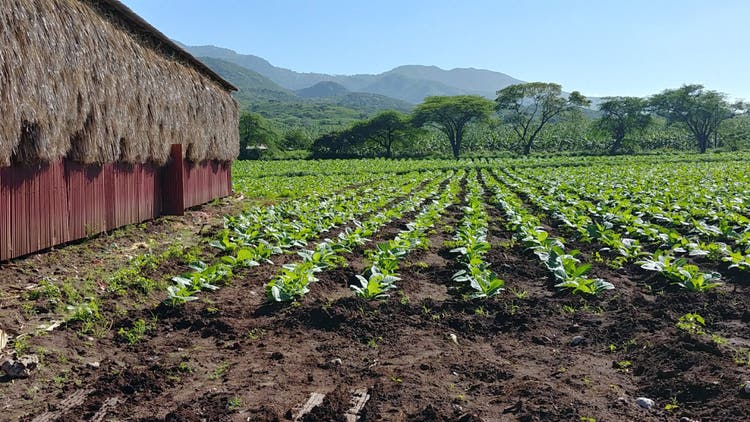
(599, 47)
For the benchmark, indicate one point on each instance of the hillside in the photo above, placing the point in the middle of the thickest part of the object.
(407, 83)
(252, 85)
(336, 94)
(321, 108)
(325, 89)
(468, 80)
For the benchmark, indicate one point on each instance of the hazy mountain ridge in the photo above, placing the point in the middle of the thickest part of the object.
(410, 83)
(325, 89)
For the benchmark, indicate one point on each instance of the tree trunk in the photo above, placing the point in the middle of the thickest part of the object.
(456, 144)
(388, 150)
(702, 143)
(527, 148)
(615, 146)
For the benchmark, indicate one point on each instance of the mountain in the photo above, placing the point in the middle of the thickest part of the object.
(467, 80)
(412, 90)
(325, 89)
(320, 108)
(407, 83)
(252, 85)
(337, 94)
(287, 78)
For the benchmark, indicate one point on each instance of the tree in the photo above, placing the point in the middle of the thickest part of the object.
(529, 107)
(701, 110)
(330, 145)
(256, 135)
(386, 129)
(621, 117)
(295, 138)
(450, 115)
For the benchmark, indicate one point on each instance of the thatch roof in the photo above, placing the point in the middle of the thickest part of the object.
(90, 80)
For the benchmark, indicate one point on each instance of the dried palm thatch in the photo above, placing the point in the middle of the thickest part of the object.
(76, 81)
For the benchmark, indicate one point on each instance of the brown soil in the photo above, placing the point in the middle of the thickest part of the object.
(231, 357)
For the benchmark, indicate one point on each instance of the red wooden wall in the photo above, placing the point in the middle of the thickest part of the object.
(45, 205)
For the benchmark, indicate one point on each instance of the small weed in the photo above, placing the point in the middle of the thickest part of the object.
(397, 380)
(623, 366)
(511, 308)
(61, 378)
(255, 334)
(21, 345)
(519, 293)
(219, 372)
(136, 332)
(421, 265)
(234, 404)
(403, 298)
(630, 344)
(691, 323)
(718, 340)
(672, 405)
(184, 367)
(373, 342)
(480, 311)
(742, 356)
(29, 309)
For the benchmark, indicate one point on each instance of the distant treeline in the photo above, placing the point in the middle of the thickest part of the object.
(524, 119)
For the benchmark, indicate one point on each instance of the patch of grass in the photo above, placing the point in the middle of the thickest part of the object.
(623, 366)
(219, 372)
(234, 404)
(21, 345)
(135, 333)
(255, 334)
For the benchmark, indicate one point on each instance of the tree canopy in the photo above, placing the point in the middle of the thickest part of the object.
(450, 115)
(256, 135)
(622, 117)
(385, 130)
(529, 107)
(701, 110)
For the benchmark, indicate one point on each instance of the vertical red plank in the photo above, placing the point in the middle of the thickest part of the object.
(18, 223)
(229, 179)
(173, 192)
(109, 195)
(4, 217)
(67, 236)
(54, 235)
(41, 213)
(73, 185)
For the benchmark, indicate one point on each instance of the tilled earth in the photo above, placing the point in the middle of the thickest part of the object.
(425, 354)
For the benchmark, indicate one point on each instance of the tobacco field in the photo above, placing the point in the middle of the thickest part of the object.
(565, 288)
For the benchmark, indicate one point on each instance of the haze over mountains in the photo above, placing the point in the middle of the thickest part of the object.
(410, 84)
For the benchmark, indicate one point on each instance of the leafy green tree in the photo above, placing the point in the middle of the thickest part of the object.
(256, 135)
(451, 114)
(385, 130)
(621, 117)
(529, 107)
(701, 110)
(332, 145)
(734, 133)
(296, 139)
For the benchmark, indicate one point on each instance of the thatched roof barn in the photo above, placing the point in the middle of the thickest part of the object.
(91, 81)
(104, 122)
